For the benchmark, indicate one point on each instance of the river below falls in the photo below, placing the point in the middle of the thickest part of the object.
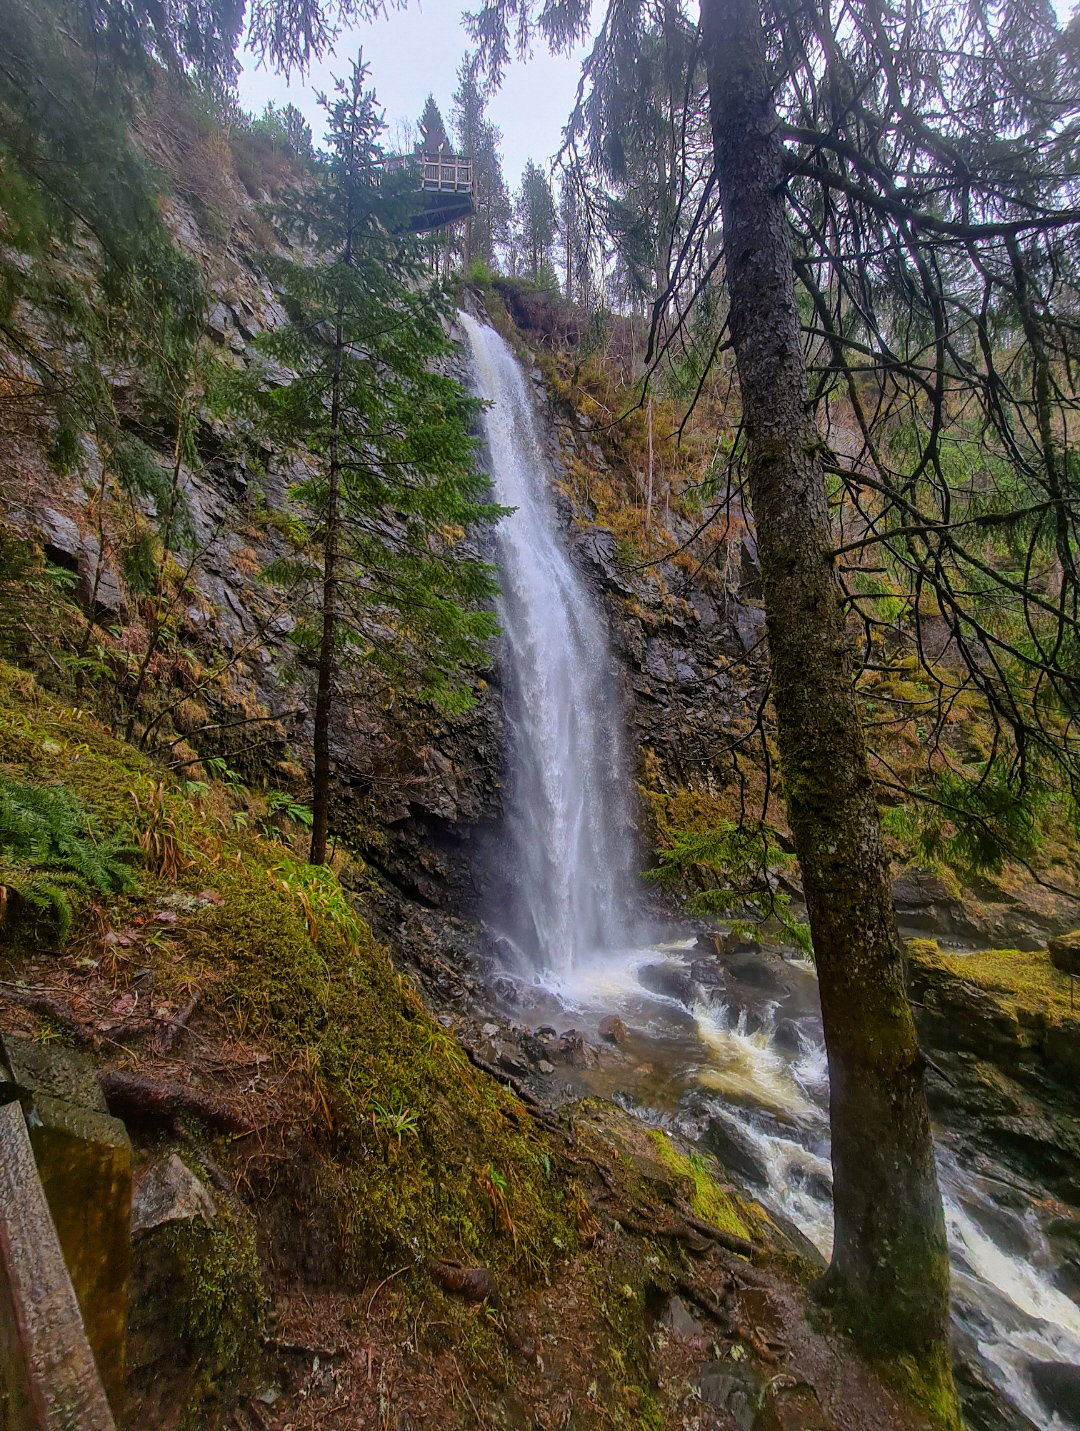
(730, 1054)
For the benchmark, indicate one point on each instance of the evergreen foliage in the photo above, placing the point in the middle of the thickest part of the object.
(393, 484)
(734, 866)
(534, 214)
(286, 129)
(479, 140)
(52, 854)
(433, 135)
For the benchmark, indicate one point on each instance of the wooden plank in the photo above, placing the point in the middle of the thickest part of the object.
(48, 1377)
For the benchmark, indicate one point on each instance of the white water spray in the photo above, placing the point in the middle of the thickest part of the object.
(568, 851)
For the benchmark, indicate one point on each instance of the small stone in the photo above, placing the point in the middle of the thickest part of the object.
(545, 1067)
(790, 1405)
(679, 1321)
(490, 1030)
(169, 1192)
(269, 1396)
(613, 1030)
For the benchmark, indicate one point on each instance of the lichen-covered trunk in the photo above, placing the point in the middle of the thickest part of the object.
(889, 1270)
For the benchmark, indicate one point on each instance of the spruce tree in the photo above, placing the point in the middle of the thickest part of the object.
(479, 140)
(394, 484)
(534, 211)
(432, 129)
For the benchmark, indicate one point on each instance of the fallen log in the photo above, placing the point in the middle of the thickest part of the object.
(130, 1095)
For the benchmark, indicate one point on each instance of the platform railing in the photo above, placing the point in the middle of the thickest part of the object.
(442, 172)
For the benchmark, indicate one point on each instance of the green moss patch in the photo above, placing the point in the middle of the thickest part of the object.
(1022, 981)
(707, 1198)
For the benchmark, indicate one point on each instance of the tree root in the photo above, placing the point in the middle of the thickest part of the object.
(48, 1006)
(133, 1096)
(527, 1096)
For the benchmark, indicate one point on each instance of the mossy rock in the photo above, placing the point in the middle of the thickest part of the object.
(1064, 951)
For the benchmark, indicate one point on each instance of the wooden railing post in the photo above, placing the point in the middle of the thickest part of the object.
(48, 1379)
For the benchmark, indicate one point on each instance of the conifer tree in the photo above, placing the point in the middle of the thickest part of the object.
(479, 140)
(394, 486)
(534, 212)
(433, 135)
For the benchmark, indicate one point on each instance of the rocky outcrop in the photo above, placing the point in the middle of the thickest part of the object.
(1064, 951)
(1002, 1075)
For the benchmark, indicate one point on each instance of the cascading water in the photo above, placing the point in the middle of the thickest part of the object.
(568, 852)
(729, 1054)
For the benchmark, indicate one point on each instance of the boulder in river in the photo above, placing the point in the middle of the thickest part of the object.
(670, 981)
(734, 1149)
(613, 1030)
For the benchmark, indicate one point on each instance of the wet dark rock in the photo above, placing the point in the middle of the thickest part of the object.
(956, 1016)
(678, 1320)
(735, 1150)
(670, 981)
(613, 1030)
(61, 539)
(749, 623)
(709, 973)
(577, 1051)
(924, 905)
(1058, 1386)
(917, 890)
(506, 990)
(511, 1058)
(786, 1037)
(749, 567)
(1067, 1279)
(169, 1192)
(658, 660)
(790, 1405)
(98, 584)
(983, 1406)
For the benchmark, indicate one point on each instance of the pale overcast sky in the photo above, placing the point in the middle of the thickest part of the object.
(416, 50)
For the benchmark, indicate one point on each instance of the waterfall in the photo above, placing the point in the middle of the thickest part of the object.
(565, 850)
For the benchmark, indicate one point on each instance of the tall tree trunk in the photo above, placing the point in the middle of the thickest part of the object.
(889, 1274)
(320, 792)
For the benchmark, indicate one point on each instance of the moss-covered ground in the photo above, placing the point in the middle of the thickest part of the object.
(1023, 981)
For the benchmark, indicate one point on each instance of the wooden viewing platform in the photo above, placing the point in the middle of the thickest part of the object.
(446, 183)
